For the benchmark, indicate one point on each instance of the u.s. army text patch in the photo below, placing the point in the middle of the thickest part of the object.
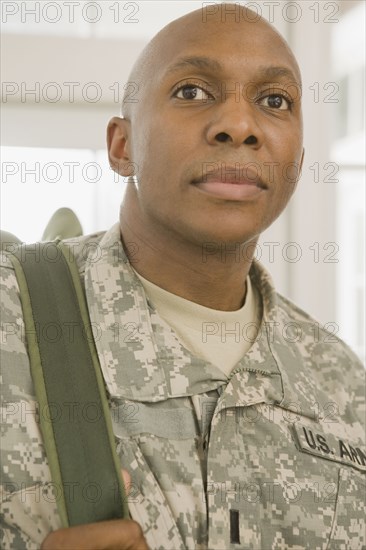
(326, 445)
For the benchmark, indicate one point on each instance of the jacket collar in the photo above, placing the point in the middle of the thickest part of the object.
(279, 367)
(142, 359)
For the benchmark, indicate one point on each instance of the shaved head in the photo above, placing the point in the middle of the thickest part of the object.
(184, 30)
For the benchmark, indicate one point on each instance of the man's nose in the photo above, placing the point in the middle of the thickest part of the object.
(235, 123)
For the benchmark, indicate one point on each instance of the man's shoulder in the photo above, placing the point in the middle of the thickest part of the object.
(85, 247)
(331, 367)
(80, 248)
(310, 354)
(324, 335)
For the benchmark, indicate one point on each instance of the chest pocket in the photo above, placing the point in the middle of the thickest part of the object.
(349, 529)
(292, 484)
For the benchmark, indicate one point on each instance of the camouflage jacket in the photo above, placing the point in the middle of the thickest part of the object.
(271, 457)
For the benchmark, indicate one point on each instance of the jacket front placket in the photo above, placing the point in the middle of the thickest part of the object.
(233, 501)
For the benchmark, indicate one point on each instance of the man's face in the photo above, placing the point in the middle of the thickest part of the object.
(217, 133)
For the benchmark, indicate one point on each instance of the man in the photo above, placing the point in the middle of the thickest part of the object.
(256, 443)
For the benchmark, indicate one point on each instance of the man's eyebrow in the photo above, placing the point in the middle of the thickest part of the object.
(206, 63)
(195, 62)
(271, 73)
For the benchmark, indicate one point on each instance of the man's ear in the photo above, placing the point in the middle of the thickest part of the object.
(118, 143)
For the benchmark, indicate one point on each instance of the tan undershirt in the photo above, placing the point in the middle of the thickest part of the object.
(220, 337)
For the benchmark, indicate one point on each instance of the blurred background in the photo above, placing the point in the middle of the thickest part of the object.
(64, 68)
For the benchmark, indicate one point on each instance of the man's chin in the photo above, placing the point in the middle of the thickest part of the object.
(233, 228)
(225, 238)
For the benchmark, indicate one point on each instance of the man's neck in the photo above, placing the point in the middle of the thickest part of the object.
(215, 280)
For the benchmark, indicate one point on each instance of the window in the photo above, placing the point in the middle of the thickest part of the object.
(348, 151)
(38, 181)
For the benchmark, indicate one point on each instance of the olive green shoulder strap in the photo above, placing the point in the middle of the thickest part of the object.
(73, 409)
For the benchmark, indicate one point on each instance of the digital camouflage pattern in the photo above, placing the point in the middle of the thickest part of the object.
(272, 457)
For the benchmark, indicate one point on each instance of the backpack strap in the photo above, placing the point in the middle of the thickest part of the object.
(74, 414)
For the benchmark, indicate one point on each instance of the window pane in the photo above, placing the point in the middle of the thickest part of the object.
(348, 150)
(35, 182)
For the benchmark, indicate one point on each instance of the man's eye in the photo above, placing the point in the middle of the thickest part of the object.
(276, 101)
(190, 91)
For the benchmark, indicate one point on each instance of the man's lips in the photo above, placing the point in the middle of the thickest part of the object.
(231, 184)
